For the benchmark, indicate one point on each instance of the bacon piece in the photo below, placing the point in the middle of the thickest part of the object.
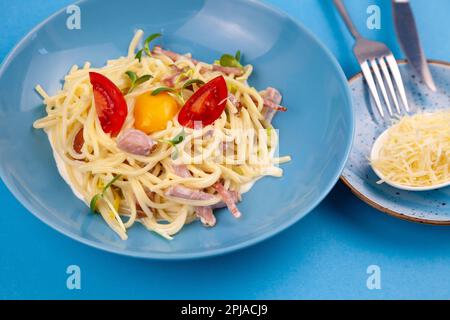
(273, 95)
(140, 214)
(78, 142)
(228, 198)
(172, 55)
(188, 193)
(234, 196)
(229, 70)
(160, 51)
(170, 81)
(135, 142)
(269, 114)
(272, 99)
(235, 102)
(209, 134)
(176, 56)
(206, 216)
(227, 148)
(181, 170)
(270, 104)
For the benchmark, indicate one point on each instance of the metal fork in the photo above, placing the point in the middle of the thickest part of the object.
(375, 55)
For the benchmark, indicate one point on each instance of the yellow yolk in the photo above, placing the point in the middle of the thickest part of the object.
(151, 113)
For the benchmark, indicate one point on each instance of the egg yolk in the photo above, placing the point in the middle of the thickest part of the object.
(151, 113)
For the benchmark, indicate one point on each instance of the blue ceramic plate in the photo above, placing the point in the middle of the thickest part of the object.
(431, 207)
(317, 130)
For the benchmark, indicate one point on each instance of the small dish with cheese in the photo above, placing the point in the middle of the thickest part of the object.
(414, 154)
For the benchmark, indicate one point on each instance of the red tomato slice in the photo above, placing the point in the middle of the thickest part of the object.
(206, 105)
(110, 104)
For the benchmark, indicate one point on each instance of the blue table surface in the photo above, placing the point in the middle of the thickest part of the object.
(324, 256)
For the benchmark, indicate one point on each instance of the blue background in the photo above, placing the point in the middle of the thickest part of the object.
(324, 256)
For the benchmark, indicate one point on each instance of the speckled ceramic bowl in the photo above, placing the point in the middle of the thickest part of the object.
(432, 207)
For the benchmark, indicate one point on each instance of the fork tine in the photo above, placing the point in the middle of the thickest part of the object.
(388, 79)
(380, 82)
(372, 87)
(398, 79)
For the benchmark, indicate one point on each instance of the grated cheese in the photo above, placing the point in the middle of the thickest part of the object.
(416, 151)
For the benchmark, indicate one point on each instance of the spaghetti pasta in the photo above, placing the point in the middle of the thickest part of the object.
(172, 185)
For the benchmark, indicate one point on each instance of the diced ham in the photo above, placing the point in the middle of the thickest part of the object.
(228, 198)
(229, 70)
(272, 99)
(135, 142)
(206, 216)
(188, 193)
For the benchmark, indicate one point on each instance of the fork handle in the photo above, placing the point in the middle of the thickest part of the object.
(348, 21)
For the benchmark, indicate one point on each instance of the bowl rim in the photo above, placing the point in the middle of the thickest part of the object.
(372, 202)
(214, 252)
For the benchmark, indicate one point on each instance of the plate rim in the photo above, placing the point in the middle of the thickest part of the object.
(375, 204)
(214, 252)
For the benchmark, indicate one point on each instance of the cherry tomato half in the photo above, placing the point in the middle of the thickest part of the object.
(206, 104)
(110, 104)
